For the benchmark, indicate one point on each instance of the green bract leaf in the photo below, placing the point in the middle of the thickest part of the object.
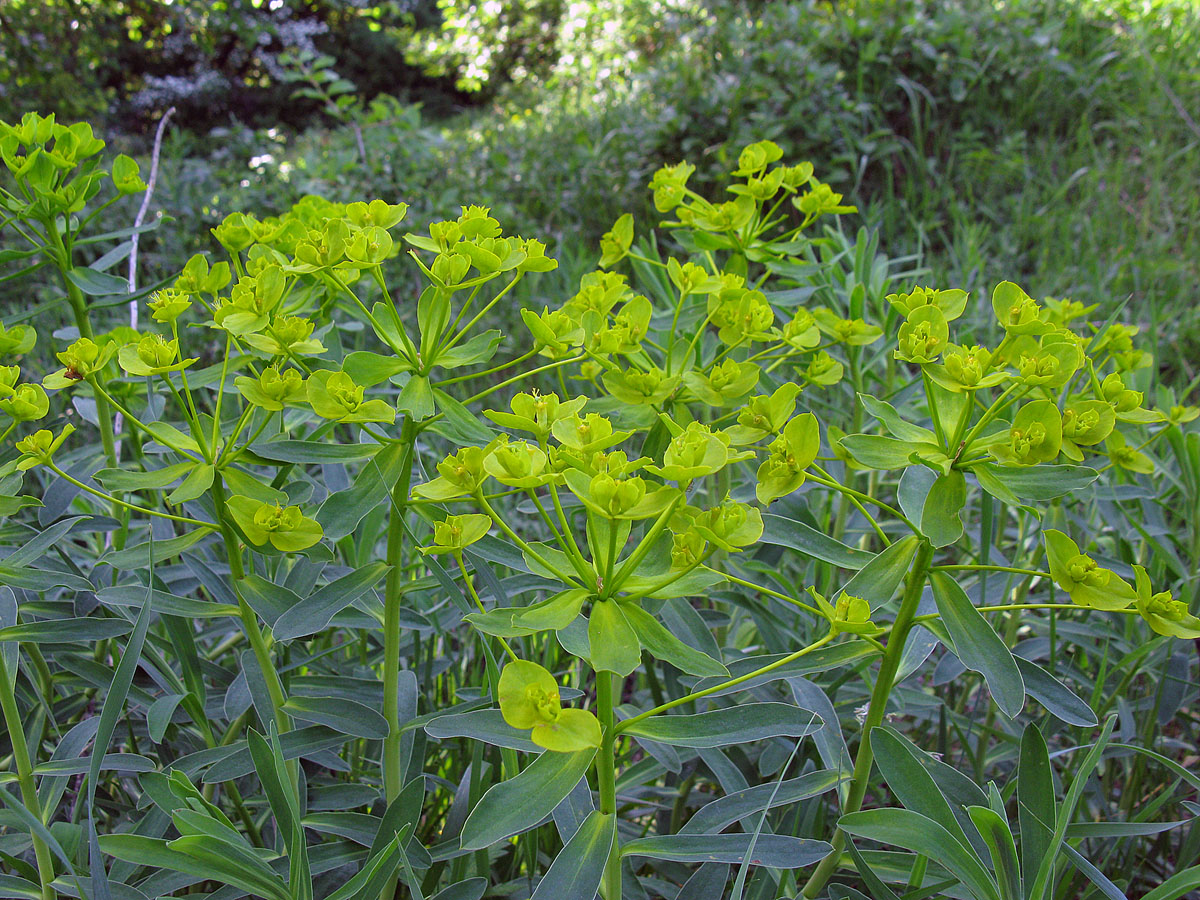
(615, 645)
(1088, 583)
(285, 527)
(1035, 436)
(334, 395)
(788, 456)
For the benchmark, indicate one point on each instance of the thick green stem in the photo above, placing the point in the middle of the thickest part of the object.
(606, 777)
(393, 775)
(24, 764)
(875, 711)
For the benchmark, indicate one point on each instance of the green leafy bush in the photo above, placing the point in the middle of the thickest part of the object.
(309, 590)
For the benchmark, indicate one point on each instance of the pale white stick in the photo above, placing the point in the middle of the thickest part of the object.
(141, 216)
(118, 422)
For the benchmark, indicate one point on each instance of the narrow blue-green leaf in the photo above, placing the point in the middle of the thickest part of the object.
(314, 452)
(142, 556)
(899, 761)
(661, 644)
(1058, 699)
(1043, 882)
(485, 725)
(237, 761)
(977, 644)
(1094, 875)
(732, 725)
(96, 284)
(1083, 830)
(775, 851)
(875, 884)
(280, 790)
(471, 889)
(114, 700)
(707, 882)
(375, 873)
(198, 855)
(940, 520)
(1035, 802)
(998, 837)
(579, 866)
(341, 512)
(134, 596)
(313, 613)
(920, 834)
(112, 762)
(8, 618)
(65, 631)
(340, 714)
(42, 579)
(33, 549)
(1040, 483)
(1178, 885)
(523, 801)
(876, 582)
(36, 826)
(714, 817)
(124, 480)
(834, 656)
(99, 884)
(785, 532)
(875, 451)
(158, 716)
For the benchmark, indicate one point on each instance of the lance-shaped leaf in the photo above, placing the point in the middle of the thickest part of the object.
(522, 802)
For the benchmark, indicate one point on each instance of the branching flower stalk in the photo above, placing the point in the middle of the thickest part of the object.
(25, 780)
(876, 709)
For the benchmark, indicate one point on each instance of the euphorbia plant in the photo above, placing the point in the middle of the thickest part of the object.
(687, 393)
(583, 557)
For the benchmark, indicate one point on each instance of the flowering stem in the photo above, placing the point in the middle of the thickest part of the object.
(84, 324)
(25, 779)
(523, 545)
(216, 428)
(642, 549)
(769, 592)
(572, 545)
(823, 478)
(492, 371)
(672, 578)
(997, 407)
(606, 777)
(479, 315)
(503, 384)
(725, 685)
(101, 393)
(462, 566)
(393, 774)
(875, 711)
(118, 502)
